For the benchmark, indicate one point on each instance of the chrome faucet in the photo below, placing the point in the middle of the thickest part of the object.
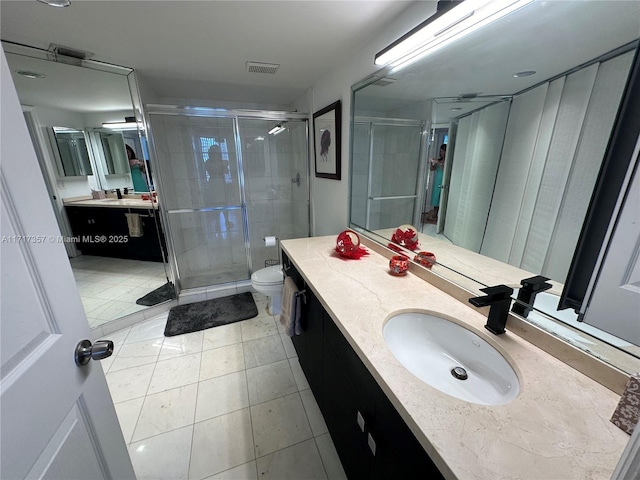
(527, 294)
(498, 298)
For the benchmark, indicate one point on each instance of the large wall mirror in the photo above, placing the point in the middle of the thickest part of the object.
(505, 131)
(86, 126)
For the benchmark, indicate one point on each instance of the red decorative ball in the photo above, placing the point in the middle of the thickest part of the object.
(347, 243)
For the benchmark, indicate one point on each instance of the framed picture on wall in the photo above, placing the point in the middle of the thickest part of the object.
(327, 128)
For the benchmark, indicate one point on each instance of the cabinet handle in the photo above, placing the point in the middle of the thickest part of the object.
(372, 444)
(360, 421)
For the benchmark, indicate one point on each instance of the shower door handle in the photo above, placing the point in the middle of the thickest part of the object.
(296, 180)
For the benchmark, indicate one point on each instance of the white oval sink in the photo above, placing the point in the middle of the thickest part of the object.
(434, 349)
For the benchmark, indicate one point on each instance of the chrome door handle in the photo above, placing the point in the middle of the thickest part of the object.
(99, 350)
(372, 444)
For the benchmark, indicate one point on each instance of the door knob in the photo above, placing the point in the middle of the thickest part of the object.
(99, 350)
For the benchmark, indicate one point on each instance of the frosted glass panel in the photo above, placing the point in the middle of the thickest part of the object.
(395, 165)
(276, 184)
(391, 213)
(198, 156)
(360, 173)
(207, 250)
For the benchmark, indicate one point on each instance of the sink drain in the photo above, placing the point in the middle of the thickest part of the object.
(459, 373)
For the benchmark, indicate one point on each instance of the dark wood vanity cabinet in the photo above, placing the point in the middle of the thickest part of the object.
(89, 223)
(370, 436)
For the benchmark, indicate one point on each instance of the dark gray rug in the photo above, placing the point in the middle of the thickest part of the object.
(159, 295)
(194, 317)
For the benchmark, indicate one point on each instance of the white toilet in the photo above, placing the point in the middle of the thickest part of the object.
(270, 281)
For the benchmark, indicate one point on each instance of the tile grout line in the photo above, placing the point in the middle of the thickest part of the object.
(195, 409)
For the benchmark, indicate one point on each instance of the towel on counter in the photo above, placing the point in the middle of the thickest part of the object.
(134, 224)
(291, 308)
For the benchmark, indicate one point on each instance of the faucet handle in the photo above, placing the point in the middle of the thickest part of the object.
(498, 292)
(536, 284)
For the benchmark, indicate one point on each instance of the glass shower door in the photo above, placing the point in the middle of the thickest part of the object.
(198, 158)
(276, 183)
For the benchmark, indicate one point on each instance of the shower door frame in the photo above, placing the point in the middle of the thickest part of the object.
(393, 122)
(235, 115)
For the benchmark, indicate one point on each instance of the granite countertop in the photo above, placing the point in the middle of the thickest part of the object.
(557, 428)
(133, 202)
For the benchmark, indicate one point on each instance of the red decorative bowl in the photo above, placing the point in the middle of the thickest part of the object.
(426, 259)
(398, 265)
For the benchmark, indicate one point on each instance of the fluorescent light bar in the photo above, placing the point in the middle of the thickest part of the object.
(277, 129)
(121, 125)
(458, 22)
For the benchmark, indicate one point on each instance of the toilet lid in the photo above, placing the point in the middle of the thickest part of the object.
(268, 276)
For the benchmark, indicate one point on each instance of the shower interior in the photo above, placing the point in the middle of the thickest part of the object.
(219, 215)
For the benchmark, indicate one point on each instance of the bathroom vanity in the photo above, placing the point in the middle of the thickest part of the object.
(387, 423)
(100, 228)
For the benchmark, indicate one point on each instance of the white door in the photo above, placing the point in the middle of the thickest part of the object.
(615, 303)
(58, 420)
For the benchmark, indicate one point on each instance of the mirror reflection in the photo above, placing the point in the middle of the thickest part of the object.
(514, 141)
(97, 180)
(72, 156)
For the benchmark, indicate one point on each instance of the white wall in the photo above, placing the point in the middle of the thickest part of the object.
(330, 198)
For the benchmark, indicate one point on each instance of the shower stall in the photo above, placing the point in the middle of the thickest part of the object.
(386, 169)
(228, 179)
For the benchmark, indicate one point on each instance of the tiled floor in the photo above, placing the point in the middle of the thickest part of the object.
(230, 402)
(109, 287)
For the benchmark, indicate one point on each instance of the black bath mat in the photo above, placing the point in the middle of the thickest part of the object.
(159, 295)
(194, 317)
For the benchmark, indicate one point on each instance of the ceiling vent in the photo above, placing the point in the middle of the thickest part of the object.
(69, 52)
(257, 67)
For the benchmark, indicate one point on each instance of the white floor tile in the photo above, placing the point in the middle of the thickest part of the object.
(289, 349)
(137, 354)
(246, 471)
(222, 361)
(316, 420)
(163, 457)
(222, 336)
(128, 413)
(298, 462)
(221, 443)
(152, 328)
(113, 292)
(133, 294)
(166, 411)
(130, 383)
(263, 351)
(298, 374)
(261, 326)
(180, 345)
(330, 459)
(270, 381)
(222, 395)
(110, 310)
(176, 372)
(278, 424)
(91, 303)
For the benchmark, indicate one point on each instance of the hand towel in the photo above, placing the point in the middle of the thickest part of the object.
(289, 306)
(134, 224)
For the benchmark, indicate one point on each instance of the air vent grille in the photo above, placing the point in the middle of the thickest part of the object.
(257, 67)
(69, 52)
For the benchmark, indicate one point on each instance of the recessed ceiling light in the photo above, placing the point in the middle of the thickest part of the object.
(56, 3)
(28, 74)
(456, 109)
(525, 73)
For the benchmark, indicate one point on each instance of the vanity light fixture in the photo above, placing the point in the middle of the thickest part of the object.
(525, 73)
(456, 109)
(259, 139)
(443, 29)
(56, 3)
(128, 124)
(29, 74)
